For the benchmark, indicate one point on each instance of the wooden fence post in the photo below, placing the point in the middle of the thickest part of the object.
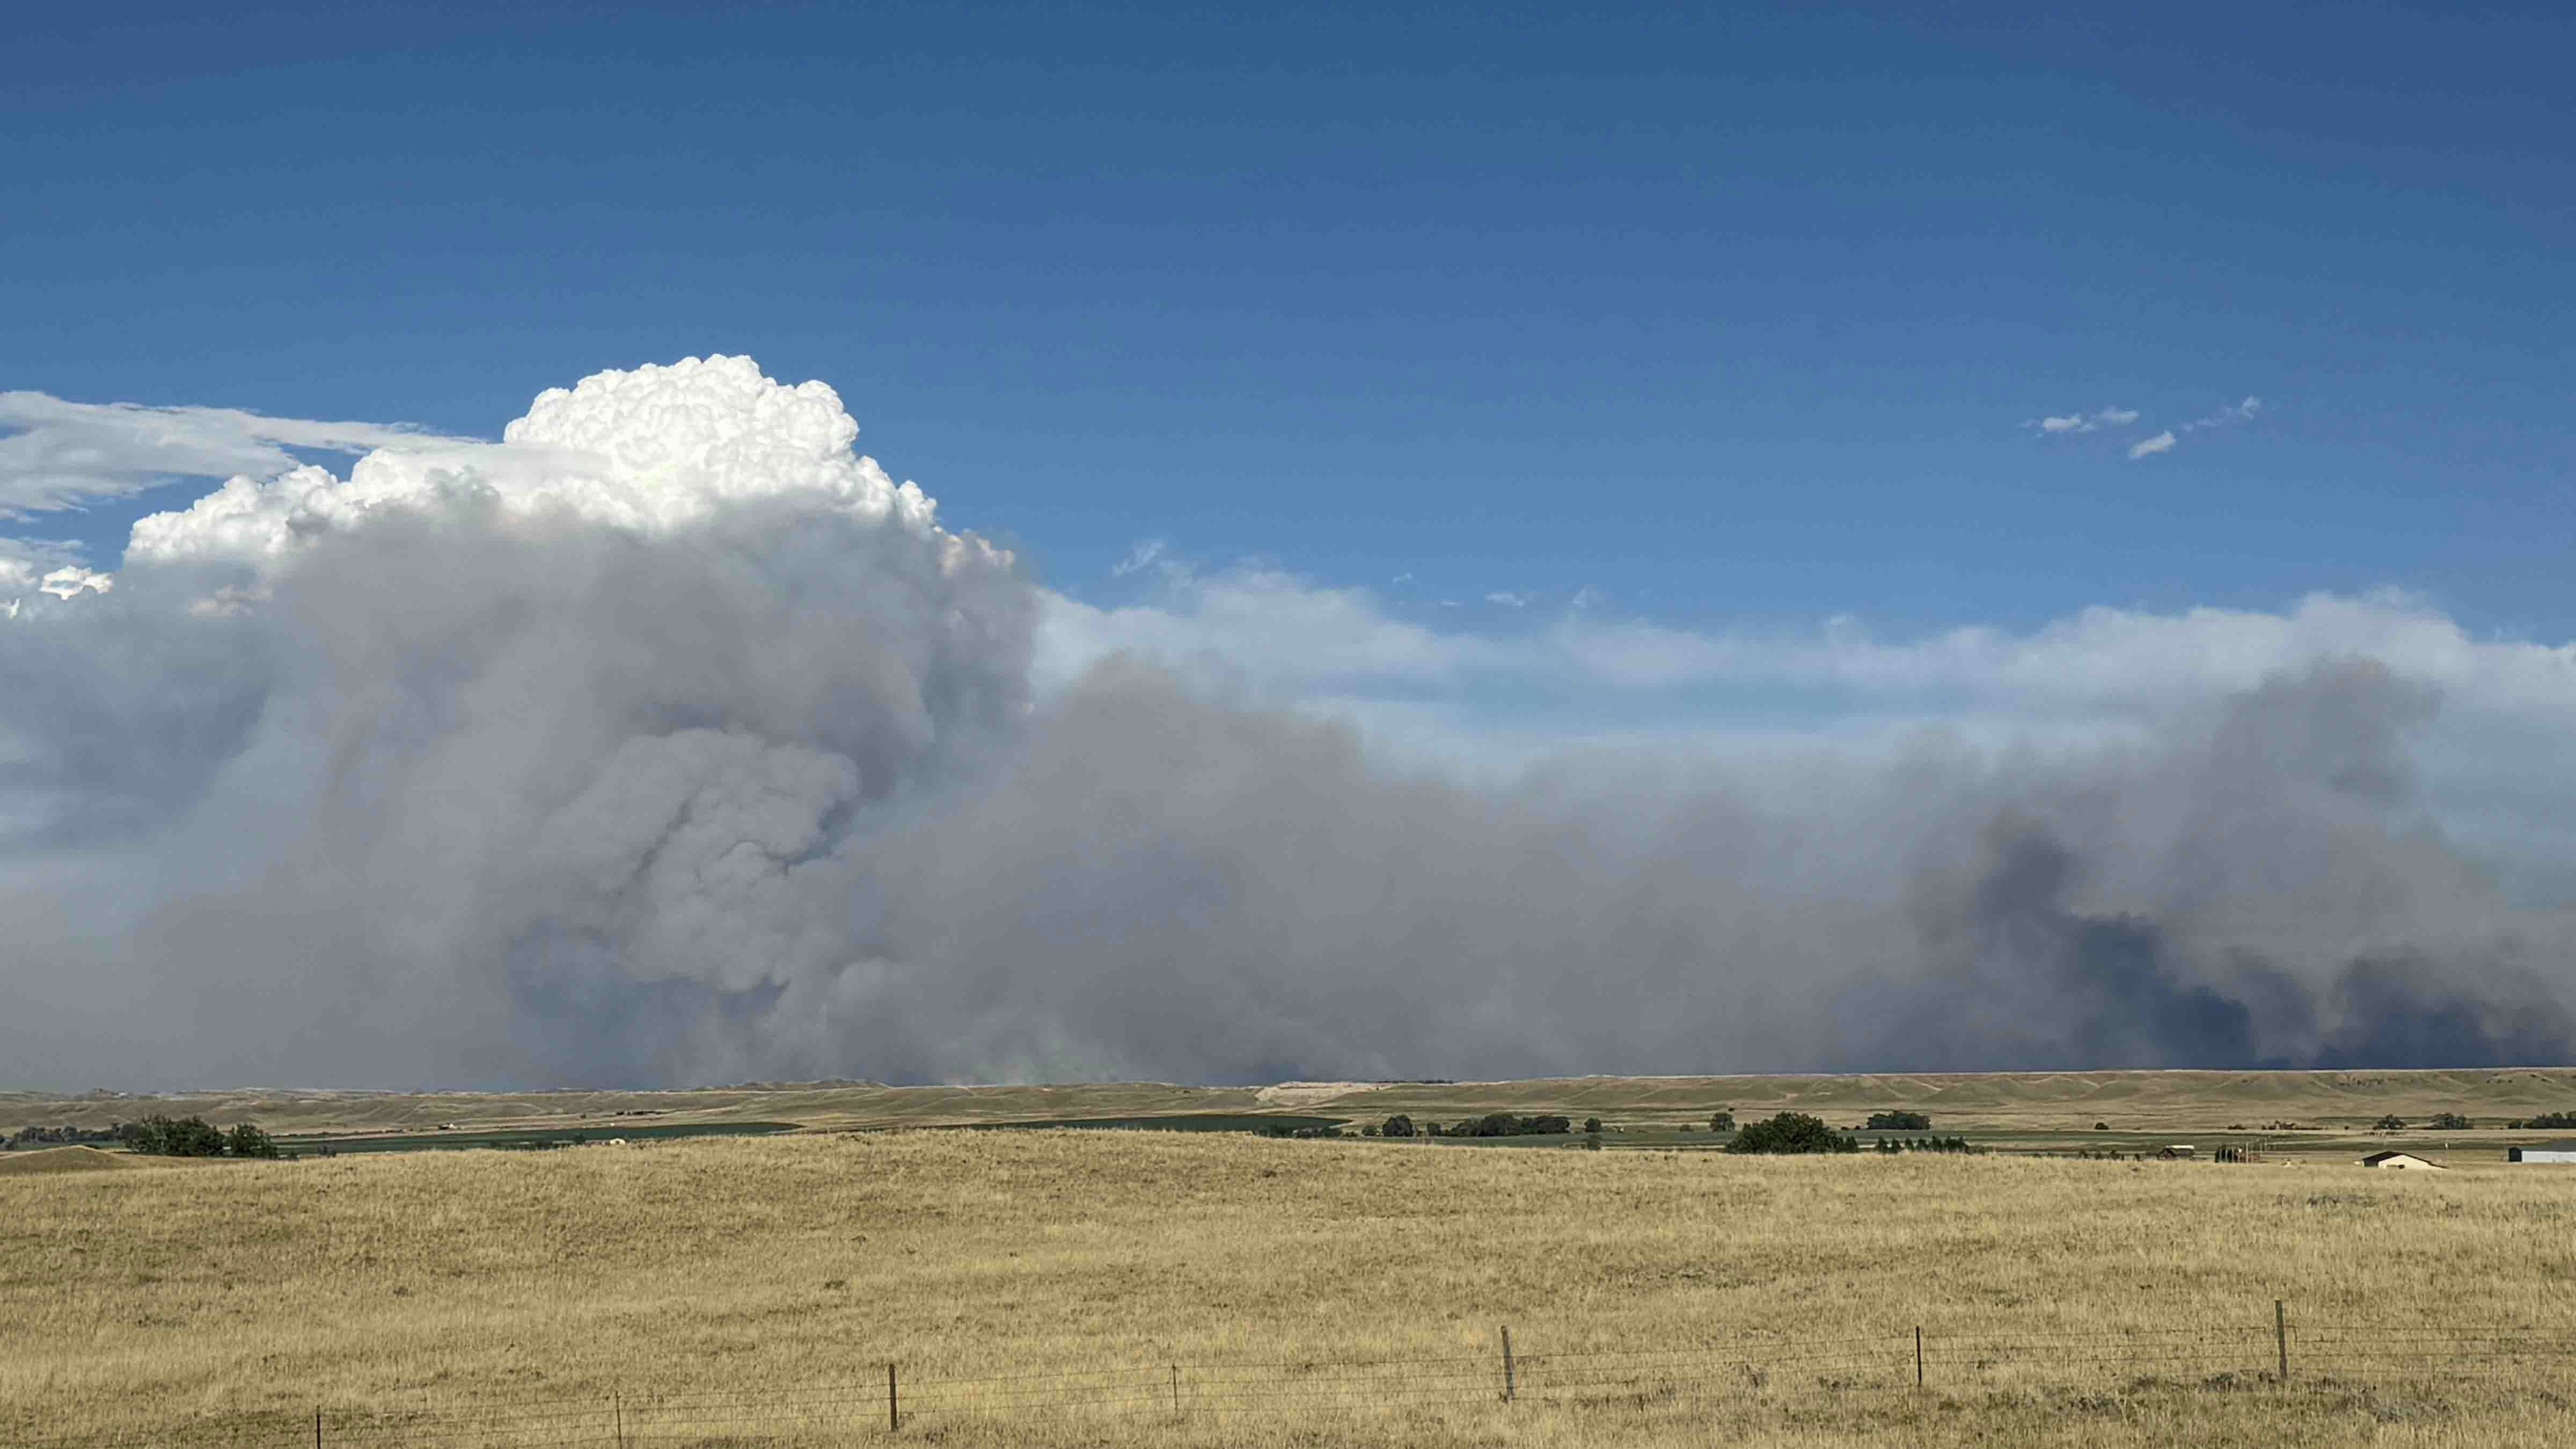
(1507, 1363)
(617, 1408)
(2281, 1336)
(1176, 1391)
(317, 1426)
(894, 1409)
(1918, 1355)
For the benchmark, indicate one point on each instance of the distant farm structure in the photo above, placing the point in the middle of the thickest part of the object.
(2543, 1152)
(2405, 1161)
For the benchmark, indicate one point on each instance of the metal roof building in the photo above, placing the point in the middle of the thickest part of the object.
(2542, 1152)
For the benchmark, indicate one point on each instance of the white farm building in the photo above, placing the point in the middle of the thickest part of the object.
(2543, 1152)
(2403, 1160)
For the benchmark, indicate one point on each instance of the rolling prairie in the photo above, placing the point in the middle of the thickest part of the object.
(185, 1304)
(2157, 1101)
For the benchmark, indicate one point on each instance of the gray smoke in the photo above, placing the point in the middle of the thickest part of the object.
(477, 794)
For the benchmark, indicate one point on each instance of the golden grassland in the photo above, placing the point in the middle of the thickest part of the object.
(165, 1299)
(2009, 1101)
(43, 1160)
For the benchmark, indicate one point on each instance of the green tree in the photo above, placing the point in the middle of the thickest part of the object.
(1791, 1132)
(1899, 1122)
(1592, 1125)
(1398, 1125)
(2390, 1123)
(246, 1140)
(181, 1137)
(2450, 1122)
(1721, 1120)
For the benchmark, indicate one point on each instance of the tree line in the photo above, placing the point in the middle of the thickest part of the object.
(1492, 1124)
(2454, 1122)
(1787, 1132)
(156, 1137)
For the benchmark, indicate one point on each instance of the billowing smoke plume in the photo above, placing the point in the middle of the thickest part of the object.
(671, 741)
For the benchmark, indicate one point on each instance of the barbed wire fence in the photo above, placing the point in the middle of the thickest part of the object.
(888, 1402)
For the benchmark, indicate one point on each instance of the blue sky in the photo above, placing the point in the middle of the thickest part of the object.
(1724, 319)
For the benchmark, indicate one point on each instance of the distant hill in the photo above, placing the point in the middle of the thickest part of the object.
(2023, 1100)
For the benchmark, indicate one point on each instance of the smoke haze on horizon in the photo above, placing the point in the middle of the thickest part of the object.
(670, 741)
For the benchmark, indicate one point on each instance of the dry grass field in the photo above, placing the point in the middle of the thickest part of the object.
(1223, 1288)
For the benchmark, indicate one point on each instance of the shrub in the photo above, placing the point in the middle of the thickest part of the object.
(2101, 1126)
(1398, 1125)
(1592, 1125)
(1721, 1120)
(164, 1137)
(2390, 1123)
(1369, 1131)
(2449, 1122)
(1791, 1132)
(1899, 1122)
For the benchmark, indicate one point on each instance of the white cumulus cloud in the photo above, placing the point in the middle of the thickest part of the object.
(2148, 447)
(648, 450)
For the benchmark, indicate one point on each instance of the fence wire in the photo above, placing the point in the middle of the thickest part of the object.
(1947, 1357)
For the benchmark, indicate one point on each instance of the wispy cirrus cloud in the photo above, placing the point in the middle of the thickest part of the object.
(2242, 412)
(1142, 556)
(2094, 421)
(68, 454)
(2165, 442)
